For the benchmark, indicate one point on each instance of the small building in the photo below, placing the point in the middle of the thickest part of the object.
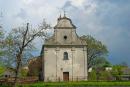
(64, 55)
(108, 68)
(9, 72)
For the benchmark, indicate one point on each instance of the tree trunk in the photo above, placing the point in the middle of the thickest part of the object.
(17, 68)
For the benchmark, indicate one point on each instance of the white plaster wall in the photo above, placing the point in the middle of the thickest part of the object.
(55, 65)
(49, 64)
(70, 33)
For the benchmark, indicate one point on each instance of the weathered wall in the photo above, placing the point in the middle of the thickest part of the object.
(54, 65)
(70, 33)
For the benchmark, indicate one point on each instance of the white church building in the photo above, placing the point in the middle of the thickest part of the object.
(64, 54)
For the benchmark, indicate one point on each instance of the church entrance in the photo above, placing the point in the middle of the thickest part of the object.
(65, 76)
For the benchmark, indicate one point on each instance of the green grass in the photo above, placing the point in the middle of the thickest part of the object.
(75, 84)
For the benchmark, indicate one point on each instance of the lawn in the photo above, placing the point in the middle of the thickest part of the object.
(77, 84)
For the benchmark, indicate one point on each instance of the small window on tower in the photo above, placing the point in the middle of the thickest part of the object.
(65, 56)
(65, 37)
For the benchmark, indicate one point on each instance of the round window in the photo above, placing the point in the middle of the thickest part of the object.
(65, 37)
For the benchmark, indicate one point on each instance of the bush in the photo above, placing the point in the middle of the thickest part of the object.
(23, 72)
(105, 76)
(92, 76)
(2, 70)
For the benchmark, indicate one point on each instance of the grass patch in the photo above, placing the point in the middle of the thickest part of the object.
(75, 84)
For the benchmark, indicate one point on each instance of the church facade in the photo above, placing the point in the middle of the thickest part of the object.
(64, 54)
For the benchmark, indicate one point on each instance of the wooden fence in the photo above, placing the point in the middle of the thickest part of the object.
(22, 80)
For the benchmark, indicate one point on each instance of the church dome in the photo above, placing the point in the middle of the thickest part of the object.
(64, 23)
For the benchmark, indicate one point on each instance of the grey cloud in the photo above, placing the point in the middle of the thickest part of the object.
(22, 14)
(109, 22)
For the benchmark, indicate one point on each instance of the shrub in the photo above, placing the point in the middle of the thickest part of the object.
(92, 76)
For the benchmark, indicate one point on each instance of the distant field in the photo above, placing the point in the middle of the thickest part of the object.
(77, 84)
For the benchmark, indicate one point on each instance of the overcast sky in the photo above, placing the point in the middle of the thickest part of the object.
(106, 20)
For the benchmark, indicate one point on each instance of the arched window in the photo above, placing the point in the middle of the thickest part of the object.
(65, 56)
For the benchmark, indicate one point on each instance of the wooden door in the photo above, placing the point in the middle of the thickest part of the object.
(66, 76)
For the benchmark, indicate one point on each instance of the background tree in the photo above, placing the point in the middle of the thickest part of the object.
(119, 70)
(2, 52)
(22, 39)
(1, 37)
(97, 52)
(105, 76)
(35, 66)
(11, 49)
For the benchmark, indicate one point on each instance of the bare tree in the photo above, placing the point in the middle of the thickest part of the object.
(22, 39)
